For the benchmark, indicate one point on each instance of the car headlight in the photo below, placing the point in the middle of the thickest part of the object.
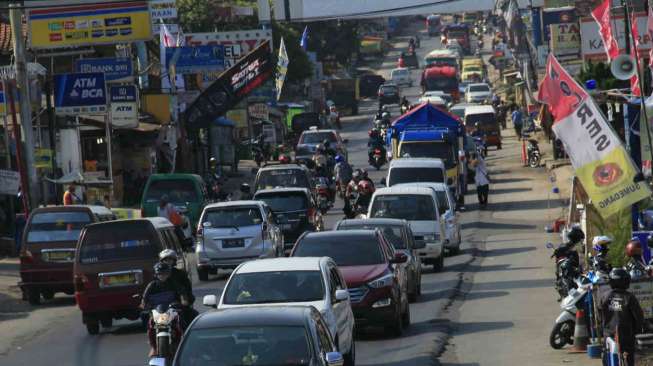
(431, 238)
(383, 281)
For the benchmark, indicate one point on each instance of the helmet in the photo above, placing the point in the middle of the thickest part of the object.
(213, 161)
(245, 188)
(634, 248)
(363, 174)
(575, 235)
(619, 279)
(601, 242)
(364, 187)
(356, 175)
(168, 254)
(162, 268)
(385, 115)
(339, 158)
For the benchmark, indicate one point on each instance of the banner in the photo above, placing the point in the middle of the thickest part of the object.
(9, 182)
(191, 60)
(114, 69)
(80, 93)
(236, 44)
(282, 68)
(92, 24)
(592, 44)
(602, 16)
(602, 164)
(124, 106)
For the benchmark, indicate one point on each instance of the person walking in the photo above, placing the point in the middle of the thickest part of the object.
(69, 196)
(517, 121)
(482, 181)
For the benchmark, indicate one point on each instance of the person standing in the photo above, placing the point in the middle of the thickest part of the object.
(517, 121)
(482, 181)
(69, 196)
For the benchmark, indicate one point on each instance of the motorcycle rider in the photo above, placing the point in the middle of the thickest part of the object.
(343, 171)
(168, 211)
(214, 180)
(622, 316)
(601, 245)
(365, 177)
(320, 160)
(245, 192)
(352, 187)
(635, 266)
(365, 191)
(405, 105)
(179, 276)
(375, 142)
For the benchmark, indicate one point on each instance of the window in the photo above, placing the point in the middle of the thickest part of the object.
(118, 241)
(479, 88)
(443, 201)
(415, 175)
(282, 178)
(179, 191)
(233, 216)
(275, 287)
(392, 233)
(323, 336)
(440, 150)
(404, 206)
(487, 119)
(355, 250)
(317, 137)
(57, 226)
(284, 201)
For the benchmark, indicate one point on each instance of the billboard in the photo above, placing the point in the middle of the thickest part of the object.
(88, 24)
(592, 44)
(114, 69)
(236, 43)
(80, 93)
(231, 87)
(565, 40)
(191, 60)
(124, 106)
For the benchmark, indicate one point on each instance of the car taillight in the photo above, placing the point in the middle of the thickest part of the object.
(377, 151)
(322, 191)
(80, 282)
(27, 257)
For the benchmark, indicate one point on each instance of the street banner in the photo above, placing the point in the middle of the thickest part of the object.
(282, 68)
(634, 46)
(191, 60)
(90, 24)
(3, 100)
(114, 69)
(236, 44)
(9, 182)
(80, 93)
(592, 43)
(601, 162)
(602, 16)
(231, 87)
(124, 106)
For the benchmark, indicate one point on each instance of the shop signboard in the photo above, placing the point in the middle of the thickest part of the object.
(565, 40)
(259, 111)
(114, 69)
(163, 11)
(556, 16)
(124, 106)
(9, 182)
(231, 87)
(3, 100)
(592, 45)
(236, 43)
(42, 158)
(87, 22)
(191, 60)
(80, 93)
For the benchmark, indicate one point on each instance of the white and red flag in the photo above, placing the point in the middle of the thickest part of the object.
(601, 15)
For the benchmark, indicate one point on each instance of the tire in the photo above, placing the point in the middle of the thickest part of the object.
(106, 323)
(562, 334)
(534, 161)
(203, 274)
(438, 266)
(162, 346)
(92, 326)
(397, 327)
(350, 357)
(33, 296)
(47, 294)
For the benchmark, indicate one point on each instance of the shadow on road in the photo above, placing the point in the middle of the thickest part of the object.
(508, 190)
(496, 226)
(489, 268)
(511, 285)
(525, 205)
(508, 180)
(480, 295)
(505, 251)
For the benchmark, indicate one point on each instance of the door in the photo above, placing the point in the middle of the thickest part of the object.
(341, 310)
(448, 215)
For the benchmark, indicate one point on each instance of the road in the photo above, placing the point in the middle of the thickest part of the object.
(495, 299)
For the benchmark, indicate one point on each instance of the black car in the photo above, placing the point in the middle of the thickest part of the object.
(389, 94)
(283, 175)
(294, 209)
(261, 335)
(401, 237)
(369, 84)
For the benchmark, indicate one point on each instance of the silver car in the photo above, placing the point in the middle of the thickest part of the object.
(231, 233)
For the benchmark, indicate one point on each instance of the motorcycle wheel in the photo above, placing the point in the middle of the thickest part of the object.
(92, 327)
(562, 334)
(163, 346)
(534, 161)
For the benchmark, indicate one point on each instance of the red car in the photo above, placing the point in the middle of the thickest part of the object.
(377, 283)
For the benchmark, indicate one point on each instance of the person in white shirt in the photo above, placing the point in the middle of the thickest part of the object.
(482, 181)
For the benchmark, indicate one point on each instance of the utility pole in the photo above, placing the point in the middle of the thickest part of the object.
(15, 18)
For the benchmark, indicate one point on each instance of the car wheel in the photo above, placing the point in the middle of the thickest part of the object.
(203, 274)
(33, 296)
(350, 357)
(439, 264)
(47, 294)
(397, 327)
(92, 326)
(405, 317)
(106, 323)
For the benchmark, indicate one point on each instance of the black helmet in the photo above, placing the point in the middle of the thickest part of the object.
(245, 188)
(576, 235)
(619, 279)
(162, 268)
(326, 143)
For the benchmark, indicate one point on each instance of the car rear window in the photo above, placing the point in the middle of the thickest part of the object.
(177, 190)
(284, 201)
(354, 250)
(118, 241)
(479, 88)
(412, 207)
(233, 216)
(399, 73)
(57, 226)
(482, 118)
(317, 137)
(274, 287)
(282, 178)
(391, 232)
(439, 150)
(415, 175)
(389, 89)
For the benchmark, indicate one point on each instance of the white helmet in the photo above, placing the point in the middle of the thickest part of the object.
(168, 253)
(601, 240)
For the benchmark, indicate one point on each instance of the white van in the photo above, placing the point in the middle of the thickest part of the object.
(418, 206)
(415, 170)
(401, 76)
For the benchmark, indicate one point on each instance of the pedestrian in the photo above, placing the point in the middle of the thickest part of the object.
(482, 180)
(517, 121)
(69, 196)
(621, 316)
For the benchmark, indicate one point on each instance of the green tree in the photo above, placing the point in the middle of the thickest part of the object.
(600, 71)
(300, 66)
(200, 16)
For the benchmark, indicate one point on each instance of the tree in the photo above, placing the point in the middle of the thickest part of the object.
(196, 15)
(300, 66)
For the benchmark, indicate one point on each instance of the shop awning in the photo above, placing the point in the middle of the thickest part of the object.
(77, 178)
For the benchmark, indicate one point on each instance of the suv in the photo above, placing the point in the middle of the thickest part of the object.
(294, 209)
(234, 232)
(389, 94)
(310, 139)
(377, 286)
(283, 175)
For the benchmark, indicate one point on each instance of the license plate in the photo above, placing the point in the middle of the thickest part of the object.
(58, 256)
(119, 280)
(233, 243)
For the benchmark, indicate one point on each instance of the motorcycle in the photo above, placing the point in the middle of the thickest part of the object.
(324, 202)
(563, 329)
(260, 152)
(166, 323)
(533, 153)
(567, 268)
(377, 159)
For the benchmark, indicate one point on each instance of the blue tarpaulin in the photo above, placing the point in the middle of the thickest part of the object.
(428, 116)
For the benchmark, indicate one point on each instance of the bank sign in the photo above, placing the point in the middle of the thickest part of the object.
(124, 106)
(80, 93)
(114, 69)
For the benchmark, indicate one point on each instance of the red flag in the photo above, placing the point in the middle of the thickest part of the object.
(602, 16)
(649, 28)
(634, 48)
(559, 90)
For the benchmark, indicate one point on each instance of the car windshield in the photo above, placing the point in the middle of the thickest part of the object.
(118, 241)
(282, 178)
(233, 216)
(274, 287)
(389, 89)
(391, 232)
(268, 345)
(437, 150)
(57, 226)
(443, 203)
(400, 72)
(415, 175)
(284, 201)
(459, 112)
(482, 118)
(354, 250)
(412, 207)
(441, 83)
(479, 88)
(441, 61)
(472, 69)
(178, 191)
(317, 137)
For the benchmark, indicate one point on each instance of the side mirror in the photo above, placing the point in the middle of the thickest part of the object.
(210, 301)
(382, 181)
(342, 295)
(419, 244)
(334, 359)
(549, 245)
(399, 258)
(206, 224)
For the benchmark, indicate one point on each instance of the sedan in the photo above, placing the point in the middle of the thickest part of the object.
(292, 335)
(478, 93)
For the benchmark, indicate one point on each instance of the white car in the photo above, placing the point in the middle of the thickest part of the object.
(401, 76)
(478, 93)
(303, 281)
(437, 97)
(447, 209)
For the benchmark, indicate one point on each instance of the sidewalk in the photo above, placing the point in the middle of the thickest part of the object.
(10, 295)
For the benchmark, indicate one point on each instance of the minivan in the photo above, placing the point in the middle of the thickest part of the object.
(486, 118)
(114, 263)
(415, 170)
(48, 248)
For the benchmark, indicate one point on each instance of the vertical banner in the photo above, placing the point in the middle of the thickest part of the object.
(282, 68)
(601, 162)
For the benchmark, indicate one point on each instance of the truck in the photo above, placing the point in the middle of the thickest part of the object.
(444, 78)
(473, 70)
(345, 93)
(459, 32)
(371, 46)
(429, 132)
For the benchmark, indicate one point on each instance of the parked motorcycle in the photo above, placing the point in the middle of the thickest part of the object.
(166, 323)
(533, 153)
(567, 268)
(563, 329)
(378, 159)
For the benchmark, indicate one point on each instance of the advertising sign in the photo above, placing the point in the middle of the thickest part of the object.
(91, 24)
(236, 43)
(163, 9)
(592, 44)
(259, 111)
(556, 16)
(114, 69)
(80, 93)
(124, 106)
(565, 40)
(9, 182)
(232, 86)
(191, 60)
(43, 158)
(3, 101)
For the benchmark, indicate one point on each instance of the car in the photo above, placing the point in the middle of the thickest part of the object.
(233, 232)
(262, 335)
(419, 206)
(400, 235)
(484, 117)
(401, 76)
(378, 288)
(295, 211)
(310, 281)
(309, 140)
(478, 93)
(389, 94)
(437, 97)
(458, 110)
(409, 170)
(447, 210)
(283, 175)
(369, 84)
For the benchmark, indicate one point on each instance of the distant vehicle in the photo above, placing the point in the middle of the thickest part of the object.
(264, 335)
(459, 32)
(401, 76)
(369, 84)
(441, 57)
(234, 232)
(458, 110)
(314, 281)
(486, 117)
(478, 93)
(433, 25)
(304, 121)
(443, 78)
(283, 175)
(313, 137)
(389, 94)
(433, 96)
